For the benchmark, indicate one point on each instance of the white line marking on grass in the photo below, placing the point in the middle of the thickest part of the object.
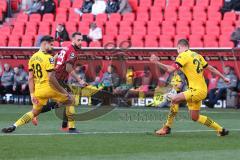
(92, 133)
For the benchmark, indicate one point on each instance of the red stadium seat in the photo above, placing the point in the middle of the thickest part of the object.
(213, 30)
(184, 13)
(195, 24)
(174, 2)
(156, 14)
(182, 23)
(214, 16)
(27, 41)
(145, 3)
(227, 30)
(35, 18)
(65, 4)
(165, 41)
(5, 31)
(84, 30)
(188, 3)
(129, 17)
(213, 9)
(142, 9)
(3, 6)
(66, 43)
(197, 15)
(195, 41)
(199, 30)
(115, 17)
(19, 30)
(87, 18)
(125, 24)
(44, 28)
(101, 17)
(95, 44)
(210, 41)
(61, 18)
(168, 28)
(77, 3)
(183, 29)
(216, 3)
(230, 16)
(14, 41)
(108, 39)
(49, 17)
(224, 41)
(151, 41)
(71, 27)
(137, 41)
(111, 29)
(62, 10)
(3, 40)
(31, 28)
(139, 29)
(142, 17)
(122, 38)
(125, 31)
(153, 28)
(74, 18)
(170, 15)
(160, 3)
(22, 17)
(202, 3)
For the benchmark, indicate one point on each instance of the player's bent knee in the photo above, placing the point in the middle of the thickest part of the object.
(194, 117)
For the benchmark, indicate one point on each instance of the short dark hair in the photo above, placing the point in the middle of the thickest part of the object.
(47, 39)
(76, 33)
(183, 42)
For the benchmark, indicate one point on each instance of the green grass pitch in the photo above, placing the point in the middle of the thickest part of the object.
(123, 134)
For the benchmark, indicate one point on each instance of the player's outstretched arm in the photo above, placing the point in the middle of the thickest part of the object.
(31, 87)
(165, 67)
(214, 70)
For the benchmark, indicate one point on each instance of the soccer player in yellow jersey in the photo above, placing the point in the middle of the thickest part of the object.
(192, 65)
(42, 83)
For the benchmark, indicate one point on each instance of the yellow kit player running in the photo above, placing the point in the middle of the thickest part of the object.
(42, 83)
(192, 65)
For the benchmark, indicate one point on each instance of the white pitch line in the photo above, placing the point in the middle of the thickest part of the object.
(93, 133)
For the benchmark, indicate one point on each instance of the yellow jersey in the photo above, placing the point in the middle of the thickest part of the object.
(40, 64)
(192, 65)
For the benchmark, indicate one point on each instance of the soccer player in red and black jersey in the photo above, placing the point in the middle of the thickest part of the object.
(65, 61)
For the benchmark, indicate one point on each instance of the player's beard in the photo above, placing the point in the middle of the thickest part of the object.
(77, 47)
(50, 51)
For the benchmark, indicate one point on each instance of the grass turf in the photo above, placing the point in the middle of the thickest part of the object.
(122, 134)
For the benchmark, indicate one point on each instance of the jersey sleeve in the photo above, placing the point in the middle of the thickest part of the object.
(70, 56)
(181, 60)
(203, 62)
(30, 68)
(50, 63)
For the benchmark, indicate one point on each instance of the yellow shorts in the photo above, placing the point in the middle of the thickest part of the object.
(46, 93)
(194, 98)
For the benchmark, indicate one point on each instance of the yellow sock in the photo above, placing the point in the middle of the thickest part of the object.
(24, 119)
(70, 111)
(172, 114)
(209, 123)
